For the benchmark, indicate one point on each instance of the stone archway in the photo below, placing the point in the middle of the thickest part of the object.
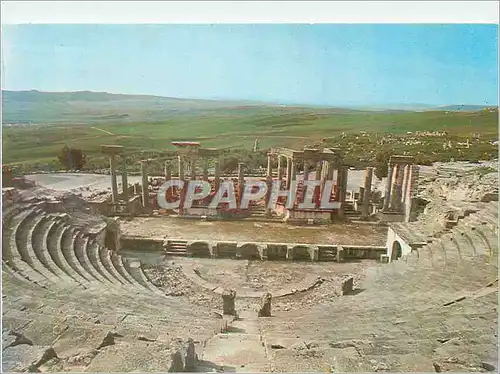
(396, 251)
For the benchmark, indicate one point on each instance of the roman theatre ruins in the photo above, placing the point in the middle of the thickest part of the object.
(394, 275)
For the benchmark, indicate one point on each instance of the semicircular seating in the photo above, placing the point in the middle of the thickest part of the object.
(63, 289)
(435, 310)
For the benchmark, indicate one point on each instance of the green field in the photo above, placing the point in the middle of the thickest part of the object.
(237, 127)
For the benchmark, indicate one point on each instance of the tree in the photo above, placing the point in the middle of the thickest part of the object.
(72, 158)
(381, 164)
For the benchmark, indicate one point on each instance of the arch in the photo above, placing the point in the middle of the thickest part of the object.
(396, 250)
(248, 251)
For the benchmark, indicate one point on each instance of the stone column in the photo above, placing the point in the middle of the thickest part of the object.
(269, 166)
(319, 177)
(365, 212)
(293, 170)
(396, 174)
(306, 170)
(241, 180)
(181, 168)
(399, 188)
(124, 180)
(205, 169)
(387, 197)
(145, 184)
(280, 171)
(343, 174)
(193, 169)
(288, 173)
(306, 177)
(114, 183)
(168, 171)
(405, 183)
(412, 190)
(217, 175)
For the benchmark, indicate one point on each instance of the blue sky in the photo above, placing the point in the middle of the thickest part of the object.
(307, 64)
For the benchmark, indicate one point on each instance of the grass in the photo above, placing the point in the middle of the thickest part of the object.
(237, 128)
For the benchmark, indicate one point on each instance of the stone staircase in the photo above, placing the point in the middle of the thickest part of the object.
(257, 210)
(176, 248)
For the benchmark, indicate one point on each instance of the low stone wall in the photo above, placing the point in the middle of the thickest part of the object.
(140, 243)
(256, 250)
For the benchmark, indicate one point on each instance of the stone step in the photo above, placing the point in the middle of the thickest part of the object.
(23, 235)
(134, 269)
(54, 246)
(93, 256)
(80, 243)
(117, 261)
(39, 253)
(481, 244)
(105, 259)
(19, 255)
(67, 248)
(464, 243)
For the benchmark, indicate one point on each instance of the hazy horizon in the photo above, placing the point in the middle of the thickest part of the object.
(271, 103)
(294, 64)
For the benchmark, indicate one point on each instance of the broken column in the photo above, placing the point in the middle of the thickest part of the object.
(228, 305)
(265, 305)
(365, 212)
(145, 184)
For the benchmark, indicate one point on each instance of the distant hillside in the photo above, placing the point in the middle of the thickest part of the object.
(87, 107)
(24, 107)
(465, 108)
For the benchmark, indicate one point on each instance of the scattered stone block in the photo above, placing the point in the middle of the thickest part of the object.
(228, 307)
(347, 285)
(265, 305)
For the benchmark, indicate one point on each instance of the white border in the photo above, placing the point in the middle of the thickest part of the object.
(21, 12)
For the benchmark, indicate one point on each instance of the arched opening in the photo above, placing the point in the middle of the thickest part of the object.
(396, 252)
